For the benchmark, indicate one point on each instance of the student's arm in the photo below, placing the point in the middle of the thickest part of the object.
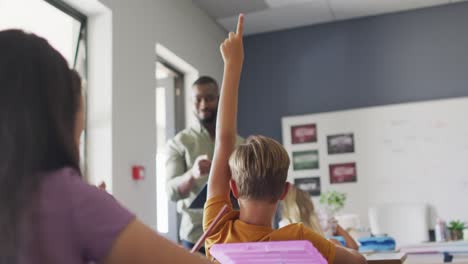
(106, 232)
(140, 245)
(332, 250)
(348, 256)
(226, 125)
(350, 242)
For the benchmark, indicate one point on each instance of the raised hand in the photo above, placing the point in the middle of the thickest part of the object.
(232, 51)
(232, 48)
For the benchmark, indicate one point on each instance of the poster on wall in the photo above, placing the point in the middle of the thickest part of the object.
(310, 185)
(342, 173)
(305, 160)
(341, 143)
(306, 133)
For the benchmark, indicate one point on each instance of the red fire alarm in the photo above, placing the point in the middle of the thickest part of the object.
(138, 173)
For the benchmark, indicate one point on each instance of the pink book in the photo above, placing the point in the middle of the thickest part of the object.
(284, 252)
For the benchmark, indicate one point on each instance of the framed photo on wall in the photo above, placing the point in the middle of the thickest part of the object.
(305, 160)
(342, 173)
(306, 133)
(341, 143)
(309, 184)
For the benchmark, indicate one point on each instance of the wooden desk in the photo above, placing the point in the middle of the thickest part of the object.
(385, 258)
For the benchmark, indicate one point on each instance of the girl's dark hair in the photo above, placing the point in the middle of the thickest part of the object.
(76, 85)
(38, 106)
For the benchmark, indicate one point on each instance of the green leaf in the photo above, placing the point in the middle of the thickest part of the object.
(456, 225)
(333, 200)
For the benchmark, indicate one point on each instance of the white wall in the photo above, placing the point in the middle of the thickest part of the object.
(137, 27)
(413, 153)
(99, 91)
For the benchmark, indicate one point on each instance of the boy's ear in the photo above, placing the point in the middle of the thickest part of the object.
(234, 190)
(285, 191)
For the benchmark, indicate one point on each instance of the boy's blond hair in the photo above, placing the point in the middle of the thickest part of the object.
(260, 168)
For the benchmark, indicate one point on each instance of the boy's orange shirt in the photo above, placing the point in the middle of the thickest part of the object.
(232, 230)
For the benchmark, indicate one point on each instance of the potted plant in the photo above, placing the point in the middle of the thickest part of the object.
(333, 201)
(456, 229)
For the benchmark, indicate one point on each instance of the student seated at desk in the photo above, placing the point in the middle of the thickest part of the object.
(297, 207)
(259, 168)
(48, 214)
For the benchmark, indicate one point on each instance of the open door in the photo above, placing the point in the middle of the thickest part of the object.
(169, 121)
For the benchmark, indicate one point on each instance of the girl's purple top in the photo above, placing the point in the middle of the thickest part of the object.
(73, 222)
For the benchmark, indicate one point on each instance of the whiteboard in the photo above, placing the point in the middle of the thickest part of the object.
(404, 153)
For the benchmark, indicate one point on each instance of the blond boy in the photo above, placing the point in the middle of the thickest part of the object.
(255, 172)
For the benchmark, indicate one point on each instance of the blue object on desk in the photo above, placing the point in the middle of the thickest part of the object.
(340, 239)
(377, 243)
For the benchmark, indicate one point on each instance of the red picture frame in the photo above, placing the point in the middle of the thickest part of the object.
(306, 133)
(343, 172)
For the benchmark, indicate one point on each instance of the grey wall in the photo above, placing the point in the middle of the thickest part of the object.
(404, 57)
(137, 27)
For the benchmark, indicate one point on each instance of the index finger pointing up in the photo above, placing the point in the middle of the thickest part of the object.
(240, 25)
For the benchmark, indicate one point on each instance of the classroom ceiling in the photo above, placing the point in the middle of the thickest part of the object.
(271, 15)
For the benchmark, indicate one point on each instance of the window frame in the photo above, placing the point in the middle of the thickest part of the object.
(83, 19)
(82, 36)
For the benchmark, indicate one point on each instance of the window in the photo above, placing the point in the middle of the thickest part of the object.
(44, 18)
(62, 26)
